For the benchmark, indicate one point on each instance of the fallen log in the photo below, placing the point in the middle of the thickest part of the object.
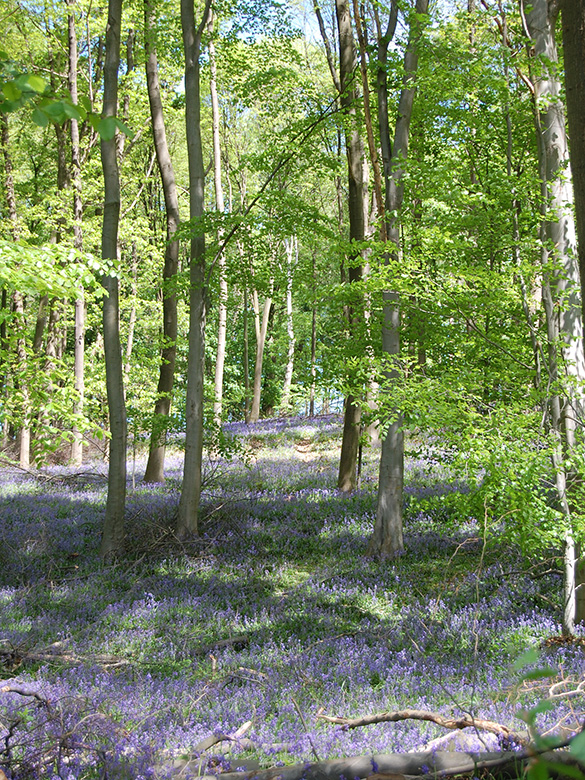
(410, 766)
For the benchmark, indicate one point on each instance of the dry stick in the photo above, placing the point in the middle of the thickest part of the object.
(303, 721)
(426, 715)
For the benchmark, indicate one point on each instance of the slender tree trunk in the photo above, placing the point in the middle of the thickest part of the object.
(348, 459)
(387, 539)
(561, 286)
(246, 359)
(18, 306)
(79, 327)
(132, 317)
(573, 22)
(191, 492)
(113, 531)
(313, 340)
(292, 248)
(220, 206)
(261, 331)
(156, 456)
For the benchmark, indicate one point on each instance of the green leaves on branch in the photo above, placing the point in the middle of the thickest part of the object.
(18, 88)
(51, 269)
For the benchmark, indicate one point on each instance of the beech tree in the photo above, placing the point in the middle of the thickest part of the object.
(113, 532)
(191, 491)
(561, 282)
(155, 466)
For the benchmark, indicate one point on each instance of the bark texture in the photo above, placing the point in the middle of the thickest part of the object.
(573, 23)
(561, 281)
(113, 531)
(387, 539)
(75, 177)
(261, 332)
(156, 455)
(189, 503)
(221, 266)
(348, 459)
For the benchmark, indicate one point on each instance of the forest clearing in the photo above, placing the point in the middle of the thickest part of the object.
(271, 618)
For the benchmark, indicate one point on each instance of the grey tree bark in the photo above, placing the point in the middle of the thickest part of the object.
(292, 256)
(79, 327)
(24, 433)
(221, 267)
(344, 83)
(113, 530)
(561, 285)
(191, 492)
(156, 455)
(387, 539)
(261, 326)
(573, 25)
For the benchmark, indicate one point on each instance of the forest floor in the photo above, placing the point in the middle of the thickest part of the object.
(272, 617)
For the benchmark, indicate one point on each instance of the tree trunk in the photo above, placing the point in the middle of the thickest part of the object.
(191, 492)
(387, 539)
(313, 340)
(246, 358)
(261, 331)
(573, 22)
(220, 206)
(79, 327)
(561, 285)
(18, 304)
(291, 248)
(113, 531)
(156, 456)
(132, 317)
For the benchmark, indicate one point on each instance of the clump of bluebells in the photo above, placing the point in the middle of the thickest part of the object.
(272, 612)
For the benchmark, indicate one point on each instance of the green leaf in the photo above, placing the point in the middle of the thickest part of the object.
(71, 111)
(539, 674)
(529, 657)
(106, 127)
(40, 118)
(538, 771)
(577, 746)
(36, 83)
(124, 128)
(85, 102)
(11, 91)
(564, 770)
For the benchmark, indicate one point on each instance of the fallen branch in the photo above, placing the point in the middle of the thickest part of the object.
(12, 659)
(432, 717)
(409, 766)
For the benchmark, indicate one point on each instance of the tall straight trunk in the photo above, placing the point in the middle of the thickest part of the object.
(246, 359)
(79, 327)
(18, 306)
(132, 317)
(113, 531)
(573, 23)
(387, 539)
(220, 206)
(348, 459)
(561, 285)
(261, 331)
(313, 340)
(191, 492)
(156, 455)
(292, 249)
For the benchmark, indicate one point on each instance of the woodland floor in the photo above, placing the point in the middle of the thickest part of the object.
(271, 617)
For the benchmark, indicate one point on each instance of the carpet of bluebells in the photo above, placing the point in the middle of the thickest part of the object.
(273, 615)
